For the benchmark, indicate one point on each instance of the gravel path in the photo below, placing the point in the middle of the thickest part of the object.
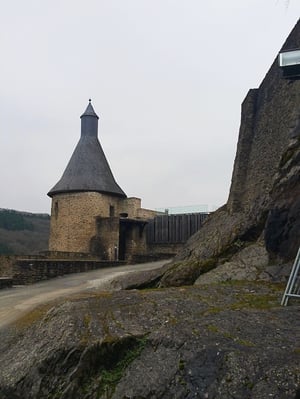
(16, 300)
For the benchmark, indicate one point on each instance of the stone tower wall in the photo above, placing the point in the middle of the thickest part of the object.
(132, 206)
(106, 243)
(73, 219)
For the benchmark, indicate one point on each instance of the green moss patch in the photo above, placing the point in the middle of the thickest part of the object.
(109, 361)
(33, 316)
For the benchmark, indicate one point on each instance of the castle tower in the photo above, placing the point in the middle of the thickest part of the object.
(87, 190)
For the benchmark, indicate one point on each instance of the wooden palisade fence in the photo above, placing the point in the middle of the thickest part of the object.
(171, 229)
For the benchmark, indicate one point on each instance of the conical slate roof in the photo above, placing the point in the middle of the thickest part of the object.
(88, 169)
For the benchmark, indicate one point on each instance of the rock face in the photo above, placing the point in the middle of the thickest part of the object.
(282, 228)
(263, 207)
(227, 341)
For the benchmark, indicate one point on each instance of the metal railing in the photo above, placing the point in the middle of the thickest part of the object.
(293, 286)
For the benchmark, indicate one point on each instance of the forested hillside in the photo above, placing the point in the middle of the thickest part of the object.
(22, 232)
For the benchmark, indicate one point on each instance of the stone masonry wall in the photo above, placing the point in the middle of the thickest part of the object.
(6, 264)
(73, 221)
(6, 282)
(135, 241)
(269, 114)
(29, 271)
(105, 244)
(239, 176)
(132, 206)
(146, 213)
(260, 207)
(82, 222)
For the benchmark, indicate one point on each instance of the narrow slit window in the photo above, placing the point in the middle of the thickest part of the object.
(111, 211)
(56, 210)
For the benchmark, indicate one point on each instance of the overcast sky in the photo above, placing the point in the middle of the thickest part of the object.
(166, 77)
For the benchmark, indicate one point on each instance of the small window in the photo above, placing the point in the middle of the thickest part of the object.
(289, 58)
(289, 62)
(111, 211)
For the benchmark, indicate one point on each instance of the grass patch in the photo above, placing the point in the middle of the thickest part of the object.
(112, 360)
(87, 320)
(33, 316)
(245, 342)
(212, 328)
(181, 364)
(212, 310)
(252, 301)
(216, 330)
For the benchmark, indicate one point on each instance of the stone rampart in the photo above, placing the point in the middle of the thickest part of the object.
(6, 264)
(268, 118)
(6, 282)
(157, 252)
(263, 203)
(29, 271)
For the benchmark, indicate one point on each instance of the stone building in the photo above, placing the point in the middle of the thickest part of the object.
(90, 213)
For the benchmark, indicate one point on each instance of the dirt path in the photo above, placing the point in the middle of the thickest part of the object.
(17, 300)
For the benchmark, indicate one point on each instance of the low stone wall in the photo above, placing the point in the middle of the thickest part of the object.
(164, 249)
(157, 252)
(31, 269)
(64, 255)
(6, 282)
(150, 258)
(6, 265)
(28, 271)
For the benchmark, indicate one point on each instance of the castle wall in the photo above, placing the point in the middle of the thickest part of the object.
(106, 243)
(89, 222)
(29, 271)
(146, 213)
(241, 165)
(135, 240)
(259, 208)
(132, 206)
(73, 219)
(269, 115)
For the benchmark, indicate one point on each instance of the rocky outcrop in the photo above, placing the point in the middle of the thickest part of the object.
(224, 341)
(263, 208)
(282, 230)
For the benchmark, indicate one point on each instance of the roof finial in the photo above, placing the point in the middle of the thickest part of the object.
(89, 110)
